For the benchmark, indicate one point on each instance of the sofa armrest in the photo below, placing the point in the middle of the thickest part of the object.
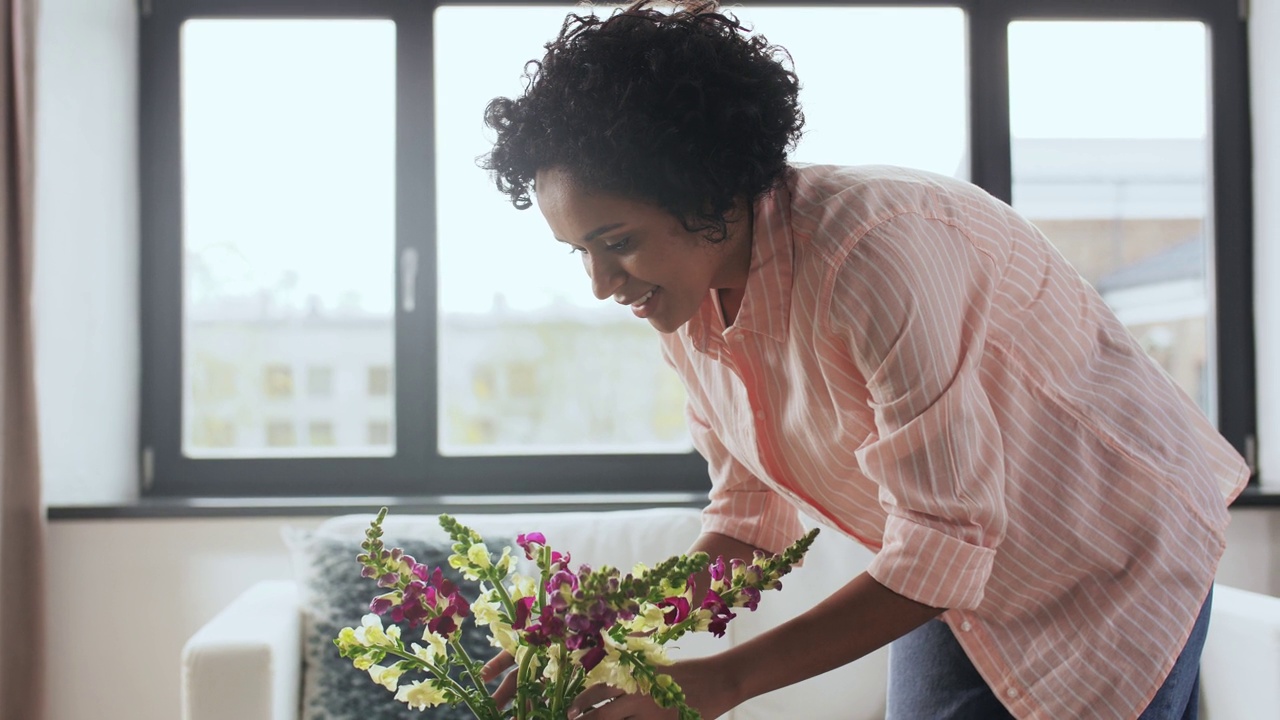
(245, 663)
(1241, 660)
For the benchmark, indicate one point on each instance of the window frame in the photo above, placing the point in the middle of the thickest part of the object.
(417, 469)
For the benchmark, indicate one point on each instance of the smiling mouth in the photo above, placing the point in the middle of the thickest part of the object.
(640, 301)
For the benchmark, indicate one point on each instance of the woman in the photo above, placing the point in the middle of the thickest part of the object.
(896, 353)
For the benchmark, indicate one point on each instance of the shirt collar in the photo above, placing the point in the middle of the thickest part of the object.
(766, 304)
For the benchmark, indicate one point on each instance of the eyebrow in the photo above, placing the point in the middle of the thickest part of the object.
(597, 232)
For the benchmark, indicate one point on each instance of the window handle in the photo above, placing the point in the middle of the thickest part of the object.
(408, 278)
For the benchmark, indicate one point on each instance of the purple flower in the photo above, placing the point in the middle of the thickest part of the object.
(677, 609)
(717, 569)
(442, 625)
(561, 580)
(592, 658)
(530, 542)
(720, 613)
(752, 598)
(524, 607)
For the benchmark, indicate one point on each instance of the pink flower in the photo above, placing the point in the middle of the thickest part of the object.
(677, 609)
(717, 569)
(530, 542)
(563, 582)
(380, 605)
(592, 658)
(524, 607)
(720, 613)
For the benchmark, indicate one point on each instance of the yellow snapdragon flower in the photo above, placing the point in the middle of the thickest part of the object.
(420, 695)
(387, 677)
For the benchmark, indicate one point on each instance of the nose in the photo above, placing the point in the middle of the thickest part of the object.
(605, 273)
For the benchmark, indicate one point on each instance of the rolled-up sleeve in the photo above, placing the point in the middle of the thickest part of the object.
(913, 297)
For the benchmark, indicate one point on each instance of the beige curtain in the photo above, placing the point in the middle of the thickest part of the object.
(22, 519)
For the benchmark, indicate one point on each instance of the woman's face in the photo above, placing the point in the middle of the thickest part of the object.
(640, 255)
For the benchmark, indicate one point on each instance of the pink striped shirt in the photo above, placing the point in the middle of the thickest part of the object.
(915, 365)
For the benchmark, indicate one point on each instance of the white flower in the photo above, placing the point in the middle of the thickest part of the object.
(429, 654)
(420, 695)
(486, 610)
(552, 671)
(478, 554)
(371, 634)
(503, 636)
(610, 671)
(387, 677)
(522, 587)
(505, 562)
(651, 618)
(439, 646)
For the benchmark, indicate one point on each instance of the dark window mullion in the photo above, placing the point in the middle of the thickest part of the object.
(991, 163)
(1233, 227)
(160, 287)
(416, 357)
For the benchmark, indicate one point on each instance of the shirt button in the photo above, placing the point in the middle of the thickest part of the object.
(1011, 692)
(966, 626)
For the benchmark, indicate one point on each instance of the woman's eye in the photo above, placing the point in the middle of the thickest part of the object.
(576, 250)
(621, 244)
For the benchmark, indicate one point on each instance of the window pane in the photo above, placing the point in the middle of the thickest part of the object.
(288, 142)
(530, 361)
(1111, 160)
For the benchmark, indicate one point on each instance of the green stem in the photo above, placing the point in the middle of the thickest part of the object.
(505, 597)
(441, 675)
(522, 690)
(470, 666)
(545, 564)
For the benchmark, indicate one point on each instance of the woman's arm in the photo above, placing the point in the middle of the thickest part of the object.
(852, 622)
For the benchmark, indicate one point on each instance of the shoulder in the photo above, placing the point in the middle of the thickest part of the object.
(833, 207)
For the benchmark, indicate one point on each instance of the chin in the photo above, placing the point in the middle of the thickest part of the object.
(663, 326)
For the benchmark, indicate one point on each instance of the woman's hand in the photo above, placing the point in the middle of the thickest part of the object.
(708, 688)
(495, 667)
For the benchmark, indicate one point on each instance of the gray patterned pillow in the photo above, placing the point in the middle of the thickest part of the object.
(333, 596)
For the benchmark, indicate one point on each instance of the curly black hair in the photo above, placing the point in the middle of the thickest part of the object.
(685, 110)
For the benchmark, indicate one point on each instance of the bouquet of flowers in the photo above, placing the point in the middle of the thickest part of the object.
(566, 629)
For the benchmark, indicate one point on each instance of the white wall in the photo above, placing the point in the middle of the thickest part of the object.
(1264, 70)
(86, 259)
(125, 595)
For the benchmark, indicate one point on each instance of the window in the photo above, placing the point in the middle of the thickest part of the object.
(320, 381)
(379, 432)
(277, 382)
(1111, 160)
(320, 432)
(379, 384)
(312, 206)
(281, 433)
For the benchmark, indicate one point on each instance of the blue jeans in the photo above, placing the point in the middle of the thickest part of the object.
(930, 678)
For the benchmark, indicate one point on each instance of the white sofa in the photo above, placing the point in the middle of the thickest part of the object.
(246, 663)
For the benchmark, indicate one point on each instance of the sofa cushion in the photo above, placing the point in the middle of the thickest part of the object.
(332, 596)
